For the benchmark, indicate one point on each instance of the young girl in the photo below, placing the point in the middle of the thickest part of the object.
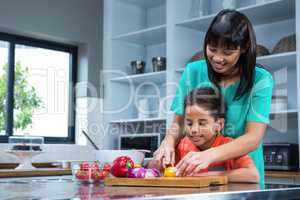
(230, 65)
(204, 120)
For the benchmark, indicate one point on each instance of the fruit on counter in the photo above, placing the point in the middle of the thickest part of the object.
(95, 166)
(107, 167)
(82, 175)
(121, 165)
(84, 166)
(98, 175)
(170, 172)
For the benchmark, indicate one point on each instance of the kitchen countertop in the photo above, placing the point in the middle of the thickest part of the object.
(7, 166)
(64, 188)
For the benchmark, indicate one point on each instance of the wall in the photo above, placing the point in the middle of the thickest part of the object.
(77, 22)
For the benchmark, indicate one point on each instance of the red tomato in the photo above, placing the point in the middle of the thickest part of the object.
(98, 175)
(84, 166)
(82, 175)
(95, 166)
(106, 167)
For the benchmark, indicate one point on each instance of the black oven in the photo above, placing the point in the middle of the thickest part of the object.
(143, 141)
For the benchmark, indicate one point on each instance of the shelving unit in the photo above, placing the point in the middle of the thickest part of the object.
(277, 61)
(142, 29)
(149, 36)
(285, 112)
(263, 13)
(152, 77)
(135, 30)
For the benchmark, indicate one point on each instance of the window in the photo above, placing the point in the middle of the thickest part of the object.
(40, 79)
(3, 84)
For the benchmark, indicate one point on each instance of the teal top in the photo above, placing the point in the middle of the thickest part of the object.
(252, 107)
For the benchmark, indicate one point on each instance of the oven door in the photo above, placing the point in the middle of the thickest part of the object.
(140, 141)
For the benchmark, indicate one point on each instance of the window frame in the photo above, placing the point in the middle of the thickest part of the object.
(14, 40)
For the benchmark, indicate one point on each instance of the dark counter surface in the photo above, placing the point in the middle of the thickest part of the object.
(64, 188)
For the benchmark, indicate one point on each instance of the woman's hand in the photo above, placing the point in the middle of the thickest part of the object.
(194, 162)
(165, 154)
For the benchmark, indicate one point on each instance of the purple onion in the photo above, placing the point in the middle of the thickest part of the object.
(138, 172)
(153, 172)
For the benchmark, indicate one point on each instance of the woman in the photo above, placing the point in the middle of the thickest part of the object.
(230, 66)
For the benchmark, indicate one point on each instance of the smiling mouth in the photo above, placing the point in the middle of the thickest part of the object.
(218, 66)
(196, 139)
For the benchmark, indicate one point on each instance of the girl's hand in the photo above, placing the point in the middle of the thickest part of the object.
(165, 154)
(155, 164)
(193, 163)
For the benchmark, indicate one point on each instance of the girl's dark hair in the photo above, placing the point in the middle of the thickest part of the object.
(209, 99)
(231, 28)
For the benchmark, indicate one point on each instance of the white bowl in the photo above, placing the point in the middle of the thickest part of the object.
(109, 156)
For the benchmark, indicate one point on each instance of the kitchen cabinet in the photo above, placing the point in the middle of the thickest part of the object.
(297, 181)
(282, 177)
(142, 29)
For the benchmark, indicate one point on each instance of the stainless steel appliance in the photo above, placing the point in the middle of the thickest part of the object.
(137, 66)
(159, 63)
(281, 156)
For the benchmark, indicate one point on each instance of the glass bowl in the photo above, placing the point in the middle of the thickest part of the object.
(88, 172)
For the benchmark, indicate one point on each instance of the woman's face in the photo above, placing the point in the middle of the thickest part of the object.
(201, 127)
(223, 59)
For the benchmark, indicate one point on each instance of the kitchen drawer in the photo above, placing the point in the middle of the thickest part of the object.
(276, 180)
(297, 181)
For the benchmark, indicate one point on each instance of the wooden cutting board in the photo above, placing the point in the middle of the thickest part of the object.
(201, 181)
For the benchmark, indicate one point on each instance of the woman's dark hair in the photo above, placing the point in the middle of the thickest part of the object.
(208, 98)
(231, 28)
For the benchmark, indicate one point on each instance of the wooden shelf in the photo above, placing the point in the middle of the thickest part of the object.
(152, 77)
(148, 36)
(137, 120)
(258, 14)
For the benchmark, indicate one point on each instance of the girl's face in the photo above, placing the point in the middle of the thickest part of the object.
(223, 59)
(201, 127)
